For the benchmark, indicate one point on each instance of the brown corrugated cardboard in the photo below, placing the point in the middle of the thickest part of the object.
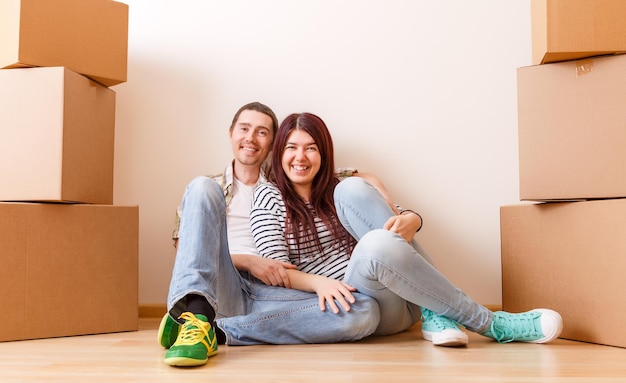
(67, 269)
(88, 36)
(572, 135)
(57, 130)
(569, 257)
(573, 29)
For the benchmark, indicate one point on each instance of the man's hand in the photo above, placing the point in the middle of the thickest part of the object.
(269, 271)
(405, 224)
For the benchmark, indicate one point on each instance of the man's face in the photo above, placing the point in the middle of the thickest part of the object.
(251, 138)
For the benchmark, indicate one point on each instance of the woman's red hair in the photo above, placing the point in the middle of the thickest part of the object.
(300, 215)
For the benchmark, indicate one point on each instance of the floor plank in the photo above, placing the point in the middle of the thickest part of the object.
(136, 357)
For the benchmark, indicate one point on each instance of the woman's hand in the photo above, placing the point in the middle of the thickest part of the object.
(405, 224)
(333, 291)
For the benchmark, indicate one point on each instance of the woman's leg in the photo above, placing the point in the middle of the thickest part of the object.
(386, 267)
(361, 208)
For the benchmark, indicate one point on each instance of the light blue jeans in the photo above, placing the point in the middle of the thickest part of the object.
(399, 275)
(248, 311)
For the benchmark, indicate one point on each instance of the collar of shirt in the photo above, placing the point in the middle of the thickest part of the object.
(226, 179)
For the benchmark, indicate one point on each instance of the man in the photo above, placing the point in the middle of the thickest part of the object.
(221, 290)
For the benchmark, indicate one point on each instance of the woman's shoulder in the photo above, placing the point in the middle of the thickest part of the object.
(267, 191)
(266, 188)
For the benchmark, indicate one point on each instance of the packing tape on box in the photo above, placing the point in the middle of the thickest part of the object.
(583, 67)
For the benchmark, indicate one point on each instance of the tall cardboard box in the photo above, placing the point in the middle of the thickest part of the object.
(57, 137)
(572, 129)
(88, 36)
(568, 257)
(573, 29)
(67, 270)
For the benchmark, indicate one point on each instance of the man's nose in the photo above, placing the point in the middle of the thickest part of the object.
(250, 136)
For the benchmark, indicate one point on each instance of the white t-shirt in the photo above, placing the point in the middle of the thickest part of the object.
(240, 240)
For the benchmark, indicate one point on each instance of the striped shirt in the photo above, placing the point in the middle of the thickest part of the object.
(267, 220)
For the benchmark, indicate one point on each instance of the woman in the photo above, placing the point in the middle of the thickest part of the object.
(310, 219)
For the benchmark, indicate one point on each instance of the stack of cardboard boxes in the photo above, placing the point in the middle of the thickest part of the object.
(68, 256)
(567, 250)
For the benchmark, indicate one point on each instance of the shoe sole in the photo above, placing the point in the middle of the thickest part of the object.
(185, 362)
(182, 361)
(454, 338)
(168, 331)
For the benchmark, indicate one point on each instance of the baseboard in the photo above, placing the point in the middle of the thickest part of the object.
(494, 307)
(157, 310)
(152, 310)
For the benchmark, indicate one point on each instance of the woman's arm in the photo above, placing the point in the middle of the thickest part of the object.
(269, 237)
(328, 290)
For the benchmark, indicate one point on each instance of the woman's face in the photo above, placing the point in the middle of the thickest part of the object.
(301, 161)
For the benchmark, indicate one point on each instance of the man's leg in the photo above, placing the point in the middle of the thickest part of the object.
(204, 280)
(285, 316)
(203, 265)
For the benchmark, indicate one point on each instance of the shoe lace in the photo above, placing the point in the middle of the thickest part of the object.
(193, 331)
(439, 321)
(508, 328)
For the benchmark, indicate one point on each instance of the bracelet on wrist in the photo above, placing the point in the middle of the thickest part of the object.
(417, 214)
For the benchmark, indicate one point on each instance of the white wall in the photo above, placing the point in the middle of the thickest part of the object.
(421, 93)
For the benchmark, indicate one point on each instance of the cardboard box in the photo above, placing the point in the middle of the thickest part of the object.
(57, 130)
(569, 257)
(572, 129)
(67, 269)
(574, 29)
(88, 36)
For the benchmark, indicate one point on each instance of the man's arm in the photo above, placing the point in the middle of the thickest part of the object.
(269, 271)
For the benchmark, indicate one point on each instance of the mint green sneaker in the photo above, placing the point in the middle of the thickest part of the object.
(534, 326)
(196, 342)
(168, 331)
(441, 330)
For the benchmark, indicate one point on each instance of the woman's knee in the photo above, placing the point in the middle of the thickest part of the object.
(350, 188)
(375, 243)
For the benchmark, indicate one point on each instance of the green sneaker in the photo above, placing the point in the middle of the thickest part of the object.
(196, 342)
(441, 330)
(535, 326)
(168, 331)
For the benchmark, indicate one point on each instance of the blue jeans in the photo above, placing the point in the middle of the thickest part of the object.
(248, 311)
(399, 275)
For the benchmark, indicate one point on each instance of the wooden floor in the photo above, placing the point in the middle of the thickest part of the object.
(136, 357)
